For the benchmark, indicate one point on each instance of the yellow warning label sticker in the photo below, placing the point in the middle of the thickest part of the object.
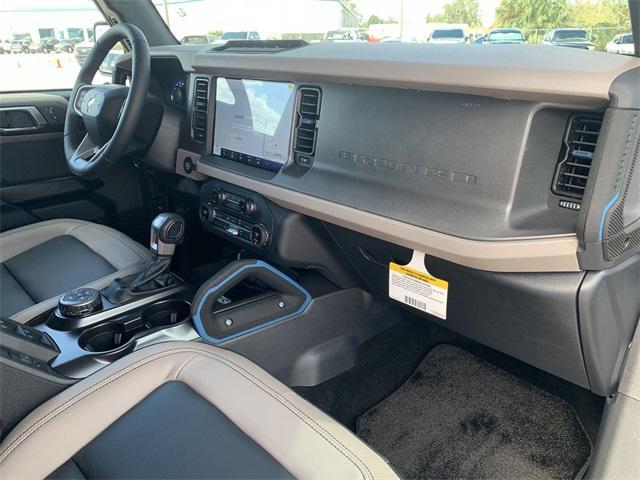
(418, 289)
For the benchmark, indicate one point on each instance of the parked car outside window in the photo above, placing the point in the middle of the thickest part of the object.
(622, 44)
(448, 35)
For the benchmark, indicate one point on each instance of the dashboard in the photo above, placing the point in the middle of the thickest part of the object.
(168, 81)
(512, 167)
(455, 151)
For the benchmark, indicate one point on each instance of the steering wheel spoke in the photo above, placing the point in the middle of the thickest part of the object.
(110, 113)
(79, 97)
(87, 149)
(86, 152)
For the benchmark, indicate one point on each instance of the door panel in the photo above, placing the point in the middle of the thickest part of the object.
(35, 182)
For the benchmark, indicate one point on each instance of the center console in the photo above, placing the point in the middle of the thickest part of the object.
(236, 213)
(297, 326)
(92, 327)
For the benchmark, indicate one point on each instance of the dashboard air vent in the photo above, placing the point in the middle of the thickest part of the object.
(306, 133)
(200, 109)
(576, 156)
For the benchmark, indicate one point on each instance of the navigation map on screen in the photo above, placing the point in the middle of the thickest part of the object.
(253, 121)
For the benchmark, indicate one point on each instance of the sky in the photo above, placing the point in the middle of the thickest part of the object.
(419, 9)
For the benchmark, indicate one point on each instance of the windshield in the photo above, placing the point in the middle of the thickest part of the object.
(627, 39)
(234, 36)
(447, 34)
(21, 37)
(571, 35)
(194, 40)
(505, 36)
(536, 22)
(48, 40)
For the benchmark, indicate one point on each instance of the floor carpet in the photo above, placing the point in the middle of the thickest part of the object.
(458, 416)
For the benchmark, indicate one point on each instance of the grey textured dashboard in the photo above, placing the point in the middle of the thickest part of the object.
(461, 177)
(446, 162)
(524, 72)
(450, 150)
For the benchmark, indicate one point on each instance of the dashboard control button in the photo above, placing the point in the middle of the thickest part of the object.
(188, 165)
(259, 236)
(304, 161)
(80, 302)
(207, 213)
(219, 196)
(247, 206)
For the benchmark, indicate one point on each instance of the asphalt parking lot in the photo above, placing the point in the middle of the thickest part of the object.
(39, 71)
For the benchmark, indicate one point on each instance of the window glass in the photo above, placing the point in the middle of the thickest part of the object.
(505, 36)
(571, 35)
(446, 33)
(585, 24)
(44, 42)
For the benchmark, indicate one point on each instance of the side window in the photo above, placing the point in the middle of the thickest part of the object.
(44, 43)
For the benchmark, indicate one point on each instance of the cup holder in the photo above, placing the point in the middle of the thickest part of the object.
(115, 334)
(105, 337)
(165, 313)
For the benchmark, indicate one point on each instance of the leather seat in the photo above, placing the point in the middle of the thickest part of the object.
(184, 410)
(40, 262)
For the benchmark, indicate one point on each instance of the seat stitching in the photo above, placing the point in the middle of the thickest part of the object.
(91, 390)
(280, 398)
(75, 224)
(230, 363)
(37, 225)
(19, 284)
(122, 239)
(249, 376)
(116, 269)
(175, 377)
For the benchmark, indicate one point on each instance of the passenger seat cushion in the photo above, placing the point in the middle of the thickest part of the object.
(218, 394)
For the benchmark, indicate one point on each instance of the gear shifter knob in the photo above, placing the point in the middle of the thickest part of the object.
(167, 231)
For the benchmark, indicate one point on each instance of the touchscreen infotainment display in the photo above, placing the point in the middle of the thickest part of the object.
(253, 122)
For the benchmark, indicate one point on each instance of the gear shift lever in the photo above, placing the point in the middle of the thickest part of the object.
(167, 231)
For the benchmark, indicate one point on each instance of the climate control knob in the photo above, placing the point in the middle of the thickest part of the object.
(207, 213)
(247, 206)
(219, 196)
(259, 235)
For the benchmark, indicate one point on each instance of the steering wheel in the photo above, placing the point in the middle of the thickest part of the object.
(110, 113)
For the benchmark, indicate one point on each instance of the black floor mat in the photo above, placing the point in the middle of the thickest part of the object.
(384, 364)
(458, 416)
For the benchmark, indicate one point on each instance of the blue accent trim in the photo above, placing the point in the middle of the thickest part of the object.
(197, 321)
(607, 207)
